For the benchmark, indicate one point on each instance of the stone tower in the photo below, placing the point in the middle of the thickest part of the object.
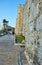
(19, 21)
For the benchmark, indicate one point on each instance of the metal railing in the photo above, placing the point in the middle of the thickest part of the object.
(19, 59)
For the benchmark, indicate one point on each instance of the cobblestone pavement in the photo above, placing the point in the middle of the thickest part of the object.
(8, 51)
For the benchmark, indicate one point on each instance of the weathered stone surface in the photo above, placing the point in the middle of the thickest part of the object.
(32, 30)
(19, 22)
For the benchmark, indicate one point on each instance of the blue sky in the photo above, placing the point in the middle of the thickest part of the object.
(8, 10)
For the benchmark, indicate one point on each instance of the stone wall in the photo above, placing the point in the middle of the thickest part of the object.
(32, 30)
(19, 22)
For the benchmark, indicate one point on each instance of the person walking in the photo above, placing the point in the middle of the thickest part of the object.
(13, 33)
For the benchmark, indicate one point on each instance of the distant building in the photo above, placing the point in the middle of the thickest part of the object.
(9, 28)
(19, 21)
(1, 28)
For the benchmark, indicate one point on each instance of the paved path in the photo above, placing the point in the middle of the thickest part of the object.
(6, 40)
(8, 51)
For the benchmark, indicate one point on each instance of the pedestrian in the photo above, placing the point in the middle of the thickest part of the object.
(13, 32)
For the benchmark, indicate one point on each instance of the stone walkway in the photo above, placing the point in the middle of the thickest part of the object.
(8, 51)
(9, 55)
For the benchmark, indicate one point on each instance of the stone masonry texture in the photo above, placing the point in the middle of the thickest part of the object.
(19, 21)
(32, 30)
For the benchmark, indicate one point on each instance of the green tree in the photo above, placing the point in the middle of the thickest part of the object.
(5, 24)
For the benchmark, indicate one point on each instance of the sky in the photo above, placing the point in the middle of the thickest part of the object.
(9, 11)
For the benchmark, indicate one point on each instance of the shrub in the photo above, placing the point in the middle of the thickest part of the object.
(19, 38)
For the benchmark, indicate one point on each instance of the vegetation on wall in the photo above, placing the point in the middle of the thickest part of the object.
(20, 38)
